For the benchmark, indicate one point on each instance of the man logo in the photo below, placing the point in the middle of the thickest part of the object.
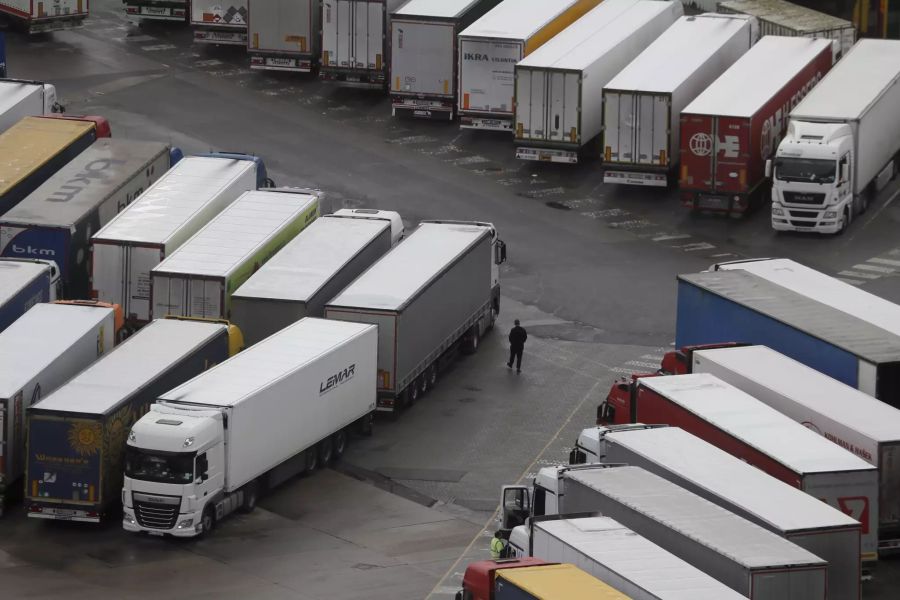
(701, 144)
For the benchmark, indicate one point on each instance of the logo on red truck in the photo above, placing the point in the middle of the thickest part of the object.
(701, 144)
(774, 127)
(858, 508)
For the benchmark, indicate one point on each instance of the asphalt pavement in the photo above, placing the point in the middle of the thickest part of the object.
(591, 274)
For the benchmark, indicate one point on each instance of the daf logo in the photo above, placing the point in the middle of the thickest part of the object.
(155, 499)
(701, 144)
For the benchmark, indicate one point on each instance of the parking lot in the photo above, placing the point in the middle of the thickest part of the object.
(591, 274)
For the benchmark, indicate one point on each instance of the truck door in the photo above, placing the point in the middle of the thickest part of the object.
(516, 506)
(651, 130)
(563, 93)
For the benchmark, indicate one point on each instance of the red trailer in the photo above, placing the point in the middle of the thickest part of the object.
(756, 433)
(731, 129)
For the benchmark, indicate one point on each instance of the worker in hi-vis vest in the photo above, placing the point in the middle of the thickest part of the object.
(498, 546)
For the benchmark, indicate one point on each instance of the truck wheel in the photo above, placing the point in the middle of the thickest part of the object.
(208, 520)
(845, 223)
(431, 375)
(339, 441)
(251, 492)
(312, 459)
(423, 383)
(366, 425)
(326, 452)
(412, 392)
(472, 343)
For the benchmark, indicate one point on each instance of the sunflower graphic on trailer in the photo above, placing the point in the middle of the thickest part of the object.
(76, 435)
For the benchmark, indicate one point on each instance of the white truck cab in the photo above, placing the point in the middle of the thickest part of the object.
(174, 467)
(811, 180)
(397, 229)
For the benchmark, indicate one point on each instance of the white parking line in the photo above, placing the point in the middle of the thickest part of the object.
(885, 261)
(865, 267)
(158, 47)
(850, 281)
(695, 247)
(859, 275)
(666, 237)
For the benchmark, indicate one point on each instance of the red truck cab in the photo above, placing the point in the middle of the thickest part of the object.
(478, 581)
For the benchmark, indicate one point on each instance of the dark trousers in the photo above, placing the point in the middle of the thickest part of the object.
(515, 352)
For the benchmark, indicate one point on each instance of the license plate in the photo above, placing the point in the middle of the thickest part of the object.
(63, 513)
(153, 10)
(281, 62)
(545, 156)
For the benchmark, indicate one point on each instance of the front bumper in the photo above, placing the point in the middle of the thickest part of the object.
(826, 220)
(130, 523)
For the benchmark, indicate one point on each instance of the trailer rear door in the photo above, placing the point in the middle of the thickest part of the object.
(422, 58)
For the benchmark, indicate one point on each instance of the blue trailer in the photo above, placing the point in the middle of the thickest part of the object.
(24, 283)
(737, 306)
(55, 222)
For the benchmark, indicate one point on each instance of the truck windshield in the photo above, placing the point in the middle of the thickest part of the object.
(812, 170)
(160, 467)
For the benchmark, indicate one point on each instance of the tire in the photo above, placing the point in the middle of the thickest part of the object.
(431, 375)
(864, 203)
(251, 494)
(474, 339)
(423, 383)
(208, 520)
(366, 425)
(339, 443)
(412, 392)
(845, 223)
(326, 452)
(312, 460)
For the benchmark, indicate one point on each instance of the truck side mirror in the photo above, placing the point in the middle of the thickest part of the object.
(845, 172)
(500, 257)
(769, 168)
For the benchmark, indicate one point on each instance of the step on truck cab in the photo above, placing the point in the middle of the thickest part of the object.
(42, 17)
(77, 435)
(217, 22)
(42, 350)
(158, 10)
(216, 443)
(20, 98)
(37, 147)
(843, 143)
(435, 293)
(55, 222)
(160, 220)
(312, 269)
(25, 282)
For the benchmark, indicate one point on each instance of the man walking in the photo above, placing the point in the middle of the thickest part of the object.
(517, 337)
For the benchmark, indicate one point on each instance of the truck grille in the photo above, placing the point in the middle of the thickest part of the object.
(804, 198)
(160, 513)
(804, 214)
(803, 223)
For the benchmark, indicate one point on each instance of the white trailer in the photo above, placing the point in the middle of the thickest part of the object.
(779, 17)
(424, 56)
(24, 283)
(745, 557)
(436, 291)
(642, 105)
(753, 431)
(843, 142)
(41, 17)
(309, 271)
(217, 22)
(827, 290)
(559, 88)
(20, 98)
(490, 48)
(851, 419)
(715, 475)
(39, 352)
(625, 560)
(198, 279)
(284, 35)
(355, 48)
(172, 210)
(247, 425)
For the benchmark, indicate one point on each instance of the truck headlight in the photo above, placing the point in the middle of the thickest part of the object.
(185, 523)
(128, 518)
(777, 211)
(831, 214)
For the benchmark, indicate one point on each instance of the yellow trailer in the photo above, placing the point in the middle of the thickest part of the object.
(552, 582)
(36, 147)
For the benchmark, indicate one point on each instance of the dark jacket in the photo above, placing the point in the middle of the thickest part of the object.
(517, 337)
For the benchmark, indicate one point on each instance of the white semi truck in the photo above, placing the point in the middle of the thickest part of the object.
(213, 444)
(20, 98)
(843, 143)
